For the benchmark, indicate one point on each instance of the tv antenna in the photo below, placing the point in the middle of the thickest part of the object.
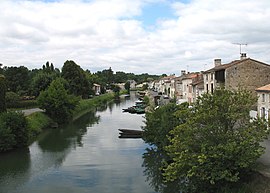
(240, 46)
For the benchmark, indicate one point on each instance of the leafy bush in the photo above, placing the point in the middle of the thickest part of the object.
(14, 131)
(12, 99)
(57, 103)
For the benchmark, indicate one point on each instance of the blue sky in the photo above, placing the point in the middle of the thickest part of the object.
(139, 36)
(153, 12)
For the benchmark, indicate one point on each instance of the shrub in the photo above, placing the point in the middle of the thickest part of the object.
(14, 130)
(12, 99)
(57, 103)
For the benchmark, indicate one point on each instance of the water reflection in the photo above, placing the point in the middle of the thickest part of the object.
(69, 135)
(14, 169)
(153, 161)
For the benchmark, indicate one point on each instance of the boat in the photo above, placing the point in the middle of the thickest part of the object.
(130, 133)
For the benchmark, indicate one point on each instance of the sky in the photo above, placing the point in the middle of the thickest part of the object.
(138, 36)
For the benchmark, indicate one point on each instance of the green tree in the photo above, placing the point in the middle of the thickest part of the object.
(56, 101)
(17, 78)
(41, 82)
(12, 99)
(76, 77)
(217, 144)
(2, 94)
(127, 86)
(159, 123)
(14, 131)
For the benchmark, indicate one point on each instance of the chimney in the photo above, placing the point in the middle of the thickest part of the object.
(217, 62)
(183, 72)
(243, 56)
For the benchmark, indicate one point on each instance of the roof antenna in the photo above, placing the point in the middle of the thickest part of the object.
(240, 45)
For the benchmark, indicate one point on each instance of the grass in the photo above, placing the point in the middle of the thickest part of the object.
(88, 105)
(37, 122)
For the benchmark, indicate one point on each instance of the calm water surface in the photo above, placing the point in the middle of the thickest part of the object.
(85, 156)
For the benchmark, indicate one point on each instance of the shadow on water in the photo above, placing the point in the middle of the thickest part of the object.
(14, 168)
(153, 161)
(68, 135)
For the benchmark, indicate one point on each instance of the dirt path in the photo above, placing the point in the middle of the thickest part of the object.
(27, 112)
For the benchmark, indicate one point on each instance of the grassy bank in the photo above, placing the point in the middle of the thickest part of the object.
(39, 121)
(88, 105)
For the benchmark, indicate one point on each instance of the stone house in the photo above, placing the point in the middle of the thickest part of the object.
(245, 73)
(197, 86)
(263, 106)
(186, 84)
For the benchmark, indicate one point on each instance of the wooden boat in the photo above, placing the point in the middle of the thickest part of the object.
(130, 133)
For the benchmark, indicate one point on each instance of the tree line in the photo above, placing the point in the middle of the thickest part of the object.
(25, 82)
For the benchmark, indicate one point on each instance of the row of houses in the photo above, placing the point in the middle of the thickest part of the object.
(246, 73)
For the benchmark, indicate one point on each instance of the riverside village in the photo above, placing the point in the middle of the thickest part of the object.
(201, 131)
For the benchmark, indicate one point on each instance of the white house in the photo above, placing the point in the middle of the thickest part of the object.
(264, 101)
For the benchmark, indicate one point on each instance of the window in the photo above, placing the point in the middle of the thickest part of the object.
(212, 88)
(207, 89)
(263, 112)
(263, 97)
(206, 77)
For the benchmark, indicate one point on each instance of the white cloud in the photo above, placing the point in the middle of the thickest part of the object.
(105, 33)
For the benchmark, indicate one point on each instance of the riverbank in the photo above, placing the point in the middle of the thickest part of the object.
(39, 121)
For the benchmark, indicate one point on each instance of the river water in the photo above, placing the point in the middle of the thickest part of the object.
(85, 156)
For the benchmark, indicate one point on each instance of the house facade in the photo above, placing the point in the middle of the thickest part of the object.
(245, 73)
(197, 86)
(263, 101)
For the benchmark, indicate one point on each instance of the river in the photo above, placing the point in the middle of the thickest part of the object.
(84, 156)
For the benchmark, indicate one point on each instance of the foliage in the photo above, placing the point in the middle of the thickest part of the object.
(17, 78)
(146, 100)
(217, 143)
(12, 99)
(127, 86)
(76, 78)
(41, 82)
(38, 121)
(159, 123)
(2, 94)
(87, 105)
(56, 101)
(13, 131)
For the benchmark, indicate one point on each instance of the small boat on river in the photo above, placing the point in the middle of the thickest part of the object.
(130, 133)
(139, 108)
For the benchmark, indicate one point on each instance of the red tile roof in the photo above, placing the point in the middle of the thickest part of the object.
(265, 88)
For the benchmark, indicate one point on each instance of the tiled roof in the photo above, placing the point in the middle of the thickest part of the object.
(265, 88)
(189, 75)
(235, 62)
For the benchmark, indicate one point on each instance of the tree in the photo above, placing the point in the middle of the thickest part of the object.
(159, 123)
(76, 77)
(17, 79)
(12, 99)
(2, 94)
(41, 82)
(14, 131)
(217, 144)
(56, 101)
(127, 86)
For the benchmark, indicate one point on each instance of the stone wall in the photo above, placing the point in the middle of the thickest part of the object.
(249, 74)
